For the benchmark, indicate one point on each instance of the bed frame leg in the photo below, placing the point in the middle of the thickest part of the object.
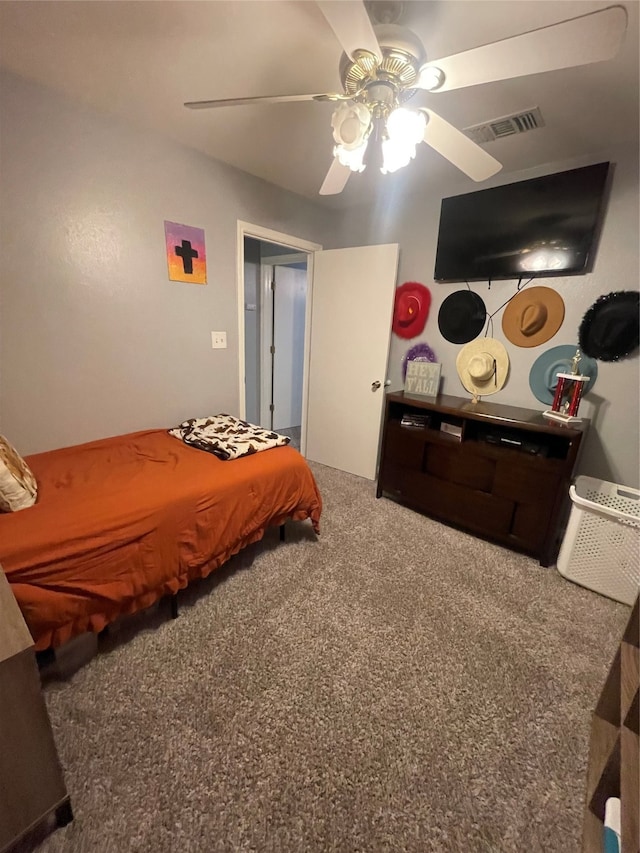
(282, 532)
(64, 813)
(173, 599)
(45, 658)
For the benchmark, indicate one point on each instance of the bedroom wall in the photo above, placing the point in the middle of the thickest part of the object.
(95, 339)
(612, 448)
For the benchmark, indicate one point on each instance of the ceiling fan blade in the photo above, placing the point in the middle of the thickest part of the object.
(336, 179)
(579, 41)
(266, 99)
(349, 21)
(458, 148)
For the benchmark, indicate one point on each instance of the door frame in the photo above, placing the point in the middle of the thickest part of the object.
(259, 232)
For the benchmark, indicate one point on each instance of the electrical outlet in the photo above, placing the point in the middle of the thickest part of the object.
(218, 340)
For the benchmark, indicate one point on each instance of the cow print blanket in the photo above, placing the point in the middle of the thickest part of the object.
(227, 437)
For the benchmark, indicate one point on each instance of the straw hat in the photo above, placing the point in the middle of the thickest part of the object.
(483, 366)
(533, 316)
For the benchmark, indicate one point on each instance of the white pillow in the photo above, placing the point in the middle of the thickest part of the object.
(18, 487)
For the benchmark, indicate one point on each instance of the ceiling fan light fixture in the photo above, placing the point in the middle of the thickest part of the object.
(352, 157)
(431, 78)
(404, 130)
(396, 155)
(351, 122)
(406, 126)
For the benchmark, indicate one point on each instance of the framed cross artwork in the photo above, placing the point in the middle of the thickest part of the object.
(186, 254)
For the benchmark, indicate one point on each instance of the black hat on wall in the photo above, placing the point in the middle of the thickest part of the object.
(462, 316)
(610, 330)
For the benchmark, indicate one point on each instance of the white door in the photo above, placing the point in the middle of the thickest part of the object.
(289, 298)
(282, 349)
(353, 292)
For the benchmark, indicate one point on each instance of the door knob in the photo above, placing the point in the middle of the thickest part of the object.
(375, 385)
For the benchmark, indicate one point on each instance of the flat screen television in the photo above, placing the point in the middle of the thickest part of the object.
(540, 227)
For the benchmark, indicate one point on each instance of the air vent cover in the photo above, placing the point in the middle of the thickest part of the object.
(498, 128)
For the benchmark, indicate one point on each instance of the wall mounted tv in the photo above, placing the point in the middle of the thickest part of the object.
(540, 227)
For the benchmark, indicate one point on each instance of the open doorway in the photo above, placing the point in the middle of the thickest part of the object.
(274, 307)
(275, 288)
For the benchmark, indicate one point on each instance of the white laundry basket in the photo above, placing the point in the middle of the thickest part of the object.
(601, 547)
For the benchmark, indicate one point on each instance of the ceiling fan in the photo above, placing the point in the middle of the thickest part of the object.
(384, 66)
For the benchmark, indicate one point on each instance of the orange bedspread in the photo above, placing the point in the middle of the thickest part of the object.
(123, 521)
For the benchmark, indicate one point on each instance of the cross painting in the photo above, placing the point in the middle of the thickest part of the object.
(186, 255)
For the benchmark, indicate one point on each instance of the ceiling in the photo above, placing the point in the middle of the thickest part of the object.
(142, 60)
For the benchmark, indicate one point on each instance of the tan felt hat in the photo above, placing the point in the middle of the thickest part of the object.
(533, 316)
(483, 366)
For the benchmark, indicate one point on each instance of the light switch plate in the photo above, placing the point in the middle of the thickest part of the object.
(218, 340)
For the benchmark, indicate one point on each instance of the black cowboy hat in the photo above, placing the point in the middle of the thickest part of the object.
(462, 316)
(610, 330)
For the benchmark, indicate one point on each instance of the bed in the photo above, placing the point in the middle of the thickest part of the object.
(121, 522)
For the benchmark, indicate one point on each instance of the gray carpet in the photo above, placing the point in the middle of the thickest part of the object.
(395, 685)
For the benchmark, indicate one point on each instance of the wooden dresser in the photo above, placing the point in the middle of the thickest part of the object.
(506, 478)
(31, 782)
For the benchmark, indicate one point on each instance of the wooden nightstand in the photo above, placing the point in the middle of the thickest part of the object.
(31, 781)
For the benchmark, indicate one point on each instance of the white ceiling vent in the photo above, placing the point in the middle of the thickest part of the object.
(498, 128)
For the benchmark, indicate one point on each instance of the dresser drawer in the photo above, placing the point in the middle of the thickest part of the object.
(467, 507)
(447, 501)
(404, 446)
(458, 465)
(526, 481)
(530, 523)
(402, 483)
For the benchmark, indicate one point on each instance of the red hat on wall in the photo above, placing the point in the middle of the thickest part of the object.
(411, 309)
